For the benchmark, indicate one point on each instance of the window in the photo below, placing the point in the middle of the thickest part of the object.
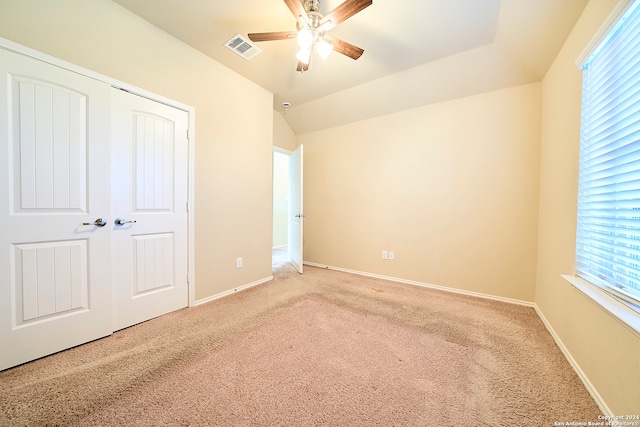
(608, 233)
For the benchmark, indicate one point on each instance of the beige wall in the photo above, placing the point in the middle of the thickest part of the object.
(233, 161)
(606, 351)
(451, 188)
(283, 136)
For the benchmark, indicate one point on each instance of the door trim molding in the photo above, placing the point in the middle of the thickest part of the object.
(35, 54)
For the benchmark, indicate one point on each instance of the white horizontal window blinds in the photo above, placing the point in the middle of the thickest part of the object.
(608, 234)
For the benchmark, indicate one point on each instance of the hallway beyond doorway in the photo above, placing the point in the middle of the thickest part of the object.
(280, 255)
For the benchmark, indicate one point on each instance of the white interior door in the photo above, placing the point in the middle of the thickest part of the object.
(297, 215)
(55, 272)
(149, 179)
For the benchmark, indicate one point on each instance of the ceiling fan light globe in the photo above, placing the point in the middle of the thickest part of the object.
(304, 55)
(305, 38)
(324, 48)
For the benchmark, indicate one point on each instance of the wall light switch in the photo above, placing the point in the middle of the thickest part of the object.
(239, 262)
(392, 255)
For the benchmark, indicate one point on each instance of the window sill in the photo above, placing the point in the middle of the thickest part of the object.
(625, 315)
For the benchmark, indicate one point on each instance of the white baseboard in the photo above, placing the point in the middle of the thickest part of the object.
(583, 377)
(232, 291)
(424, 285)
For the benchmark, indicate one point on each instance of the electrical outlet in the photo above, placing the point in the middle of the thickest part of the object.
(392, 255)
(385, 255)
(239, 262)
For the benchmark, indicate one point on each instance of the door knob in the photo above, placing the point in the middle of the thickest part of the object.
(122, 221)
(100, 222)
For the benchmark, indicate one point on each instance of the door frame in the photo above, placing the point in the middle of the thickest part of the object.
(289, 153)
(296, 191)
(23, 50)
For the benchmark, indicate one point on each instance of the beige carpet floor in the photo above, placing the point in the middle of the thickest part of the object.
(321, 349)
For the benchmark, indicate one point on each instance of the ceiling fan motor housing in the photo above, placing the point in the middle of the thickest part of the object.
(311, 5)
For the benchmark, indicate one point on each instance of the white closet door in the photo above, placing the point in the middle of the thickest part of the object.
(55, 272)
(149, 179)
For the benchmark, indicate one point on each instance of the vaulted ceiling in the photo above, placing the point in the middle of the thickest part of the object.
(416, 52)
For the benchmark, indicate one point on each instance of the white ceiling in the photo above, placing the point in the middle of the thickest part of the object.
(416, 52)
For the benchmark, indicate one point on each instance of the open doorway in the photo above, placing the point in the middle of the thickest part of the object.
(281, 191)
(288, 227)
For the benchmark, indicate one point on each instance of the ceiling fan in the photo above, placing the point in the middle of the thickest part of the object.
(312, 30)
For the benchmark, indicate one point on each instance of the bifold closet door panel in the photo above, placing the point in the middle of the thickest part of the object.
(55, 257)
(149, 200)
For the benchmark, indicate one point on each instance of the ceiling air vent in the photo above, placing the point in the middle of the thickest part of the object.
(242, 47)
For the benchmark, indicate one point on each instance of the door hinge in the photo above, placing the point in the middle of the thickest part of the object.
(187, 134)
(187, 205)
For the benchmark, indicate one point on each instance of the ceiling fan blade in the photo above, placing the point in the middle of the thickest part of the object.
(343, 12)
(296, 7)
(276, 35)
(345, 48)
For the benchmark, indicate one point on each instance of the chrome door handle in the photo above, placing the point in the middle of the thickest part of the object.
(122, 221)
(100, 222)
(300, 216)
